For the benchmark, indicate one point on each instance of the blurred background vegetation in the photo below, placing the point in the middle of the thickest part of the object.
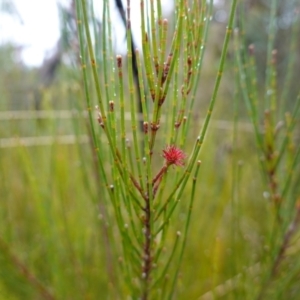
(55, 230)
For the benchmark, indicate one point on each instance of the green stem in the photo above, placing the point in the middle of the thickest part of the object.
(187, 224)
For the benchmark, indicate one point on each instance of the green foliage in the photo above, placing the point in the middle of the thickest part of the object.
(73, 209)
(144, 202)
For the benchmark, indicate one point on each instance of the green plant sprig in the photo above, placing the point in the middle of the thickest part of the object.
(270, 47)
(146, 52)
(87, 95)
(136, 143)
(159, 99)
(139, 197)
(291, 63)
(198, 144)
(273, 146)
(201, 34)
(267, 140)
(167, 265)
(154, 37)
(187, 224)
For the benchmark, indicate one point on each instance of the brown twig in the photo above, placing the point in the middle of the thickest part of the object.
(24, 271)
(280, 256)
(147, 259)
(286, 241)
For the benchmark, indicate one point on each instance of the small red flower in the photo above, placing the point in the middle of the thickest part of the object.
(174, 156)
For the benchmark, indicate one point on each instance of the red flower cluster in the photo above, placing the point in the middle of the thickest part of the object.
(174, 156)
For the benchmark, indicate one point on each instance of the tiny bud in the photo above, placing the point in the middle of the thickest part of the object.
(152, 92)
(274, 56)
(169, 58)
(145, 125)
(251, 49)
(111, 105)
(144, 275)
(126, 226)
(144, 160)
(119, 61)
(183, 89)
(100, 120)
(127, 143)
(177, 124)
(178, 233)
(111, 187)
(162, 100)
(154, 126)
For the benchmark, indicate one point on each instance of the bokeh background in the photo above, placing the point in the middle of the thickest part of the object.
(52, 204)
